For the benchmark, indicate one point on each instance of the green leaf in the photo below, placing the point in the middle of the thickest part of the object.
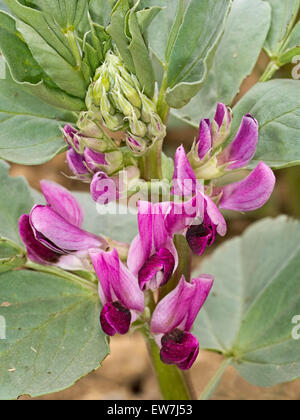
(3, 6)
(245, 32)
(16, 200)
(159, 31)
(11, 255)
(24, 69)
(116, 30)
(194, 49)
(284, 14)
(126, 33)
(22, 65)
(167, 167)
(276, 106)
(292, 47)
(30, 130)
(146, 16)
(53, 336)
(100, 10)
(65, 12)
(50, 34)
(140, 55)
(66, 77)
(249, 315)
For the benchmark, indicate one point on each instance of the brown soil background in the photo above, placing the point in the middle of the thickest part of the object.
(127, 373)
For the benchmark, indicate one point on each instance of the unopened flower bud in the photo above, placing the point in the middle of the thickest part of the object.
(73, 138)
(156, 128)
(221, 125)
(116, 99)
(77, 165)
(137, 145)
(103, 189)
(107, 162)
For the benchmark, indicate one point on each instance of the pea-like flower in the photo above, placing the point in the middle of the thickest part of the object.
(173, 319)
(152, 256)
(119, 291)
(246, 195)
(52, 233)
(208, 157)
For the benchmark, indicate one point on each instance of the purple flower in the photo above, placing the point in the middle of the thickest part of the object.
(173, 319)
(200, 229)
(77, 165)
(241, 151)
(209, 159)
(119, 292)
(247, 195)
(52, 233)
(84, 161)
(152, 256)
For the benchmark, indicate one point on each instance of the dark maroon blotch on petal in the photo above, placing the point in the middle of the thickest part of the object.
(201, 236)
(36, 250)
(115, 319)
(179, 348)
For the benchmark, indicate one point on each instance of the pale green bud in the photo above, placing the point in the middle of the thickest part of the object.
(137, 127)
(130, 93)
(156, 128)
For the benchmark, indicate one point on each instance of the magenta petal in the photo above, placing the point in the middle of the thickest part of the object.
(115, 318)
(58, 234)
(179, 216)
(136, 256)
(204, 143)
(77, 165)
(179, 348)
(37, 252)
(94, 160)
(157, 270)
(145, 222)
(181, 306)
(116, 282)
(103, 189)
(251, 193)
(216, 216)
(222, 115)
(198, 237)
(184, 179)
(243, 148)
(171, 312)
(70, 134)
(62, 202)
(201, 286)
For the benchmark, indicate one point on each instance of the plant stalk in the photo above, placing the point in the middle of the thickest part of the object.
(214, 382)
(151, 163)
(269, 72)
(173, 385)
(63, 274)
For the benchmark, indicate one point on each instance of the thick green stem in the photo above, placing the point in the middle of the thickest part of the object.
(269, 72)
(213, 384)
(63, 274)
(172, 383)
(163, 108)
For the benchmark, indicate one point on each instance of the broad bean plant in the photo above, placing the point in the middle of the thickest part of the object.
(103, 81)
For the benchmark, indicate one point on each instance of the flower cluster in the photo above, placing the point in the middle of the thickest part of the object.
(53, 232)
(116, 99)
